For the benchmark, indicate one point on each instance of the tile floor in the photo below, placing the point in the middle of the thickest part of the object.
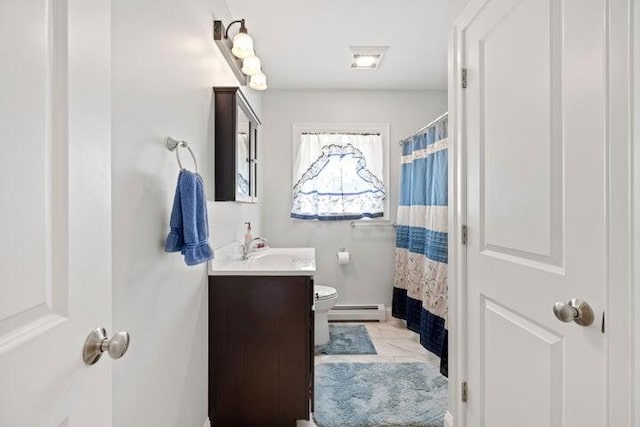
(394, 344)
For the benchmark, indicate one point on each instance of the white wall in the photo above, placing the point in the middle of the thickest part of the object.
(454, 7)
(636, 200)
(368, 279)
(227, 219)
(164, 65)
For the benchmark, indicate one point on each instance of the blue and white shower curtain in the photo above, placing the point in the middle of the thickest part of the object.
(420, 279)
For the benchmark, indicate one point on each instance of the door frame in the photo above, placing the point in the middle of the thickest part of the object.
(621, 369)
(636, 198)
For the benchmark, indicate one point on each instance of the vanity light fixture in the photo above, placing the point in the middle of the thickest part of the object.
(367, 57)
(242, 42)
(258, 82)
(240, 54)
(251, 66)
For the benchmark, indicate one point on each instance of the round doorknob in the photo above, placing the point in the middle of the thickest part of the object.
(118, 345)
(98, 343)
(564, 312)
(575, 310)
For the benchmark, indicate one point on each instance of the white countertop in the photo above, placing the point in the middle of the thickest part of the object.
(264, 262)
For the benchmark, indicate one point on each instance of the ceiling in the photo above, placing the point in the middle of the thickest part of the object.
(304, 44)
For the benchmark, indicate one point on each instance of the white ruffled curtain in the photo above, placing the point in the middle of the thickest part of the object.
(337, 176)
(310, 149)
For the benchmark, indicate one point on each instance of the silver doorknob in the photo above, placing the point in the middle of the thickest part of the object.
(97, 343)
(575, 310)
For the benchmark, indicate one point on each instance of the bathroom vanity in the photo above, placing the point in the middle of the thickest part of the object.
(261, 338)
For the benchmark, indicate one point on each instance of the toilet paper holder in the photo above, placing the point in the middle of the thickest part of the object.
(343, 256)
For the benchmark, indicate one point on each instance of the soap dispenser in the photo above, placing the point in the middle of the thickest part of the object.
(248, 237)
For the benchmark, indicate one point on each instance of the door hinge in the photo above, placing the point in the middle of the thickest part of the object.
(463, 234)
(464, 392)
(463, 78)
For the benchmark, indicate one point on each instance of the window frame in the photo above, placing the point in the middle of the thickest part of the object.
(382, 128)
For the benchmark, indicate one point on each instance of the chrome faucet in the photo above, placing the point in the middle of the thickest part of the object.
(247, 248)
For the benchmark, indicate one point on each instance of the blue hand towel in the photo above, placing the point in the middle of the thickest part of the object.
(175, 239)
(189, 227)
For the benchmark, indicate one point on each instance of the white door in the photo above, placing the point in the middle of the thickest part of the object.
(535, 116)
(55, 222)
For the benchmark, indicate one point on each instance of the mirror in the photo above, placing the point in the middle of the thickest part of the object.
(243, 156)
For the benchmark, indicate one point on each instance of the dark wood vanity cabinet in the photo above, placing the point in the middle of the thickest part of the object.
(260, 350)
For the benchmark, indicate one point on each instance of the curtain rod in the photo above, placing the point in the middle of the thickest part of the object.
(402, 141)
(341, 133)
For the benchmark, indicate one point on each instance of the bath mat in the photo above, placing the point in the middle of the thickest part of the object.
(379, 395)
(348, 339)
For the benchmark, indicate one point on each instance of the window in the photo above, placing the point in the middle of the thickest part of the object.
(339, 172)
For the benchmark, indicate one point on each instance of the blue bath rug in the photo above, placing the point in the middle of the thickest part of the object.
(348, 339)
(379, 395)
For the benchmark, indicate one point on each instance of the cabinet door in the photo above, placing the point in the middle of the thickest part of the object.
(259, 344)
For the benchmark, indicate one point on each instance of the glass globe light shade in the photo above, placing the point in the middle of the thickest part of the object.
(242, 46)
(251, 66)
(258, 82)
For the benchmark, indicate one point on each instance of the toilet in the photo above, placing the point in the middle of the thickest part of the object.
(325, 298)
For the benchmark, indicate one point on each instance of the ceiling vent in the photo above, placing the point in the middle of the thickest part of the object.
(367, 57)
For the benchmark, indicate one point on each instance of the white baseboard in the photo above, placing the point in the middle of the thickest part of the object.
(206, 423)
(448, 419)
(358, 312)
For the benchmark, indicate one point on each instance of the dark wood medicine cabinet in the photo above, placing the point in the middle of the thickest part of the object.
(236, 147)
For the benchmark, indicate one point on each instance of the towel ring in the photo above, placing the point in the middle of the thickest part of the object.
(174, 145)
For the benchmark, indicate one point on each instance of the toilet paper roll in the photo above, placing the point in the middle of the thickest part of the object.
(343, 257)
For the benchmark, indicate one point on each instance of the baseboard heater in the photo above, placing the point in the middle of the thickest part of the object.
(358, 312)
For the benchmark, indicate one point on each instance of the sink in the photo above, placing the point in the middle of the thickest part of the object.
(279, 257)
(265, 262)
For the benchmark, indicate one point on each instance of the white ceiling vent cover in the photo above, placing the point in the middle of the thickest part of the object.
(367, 57)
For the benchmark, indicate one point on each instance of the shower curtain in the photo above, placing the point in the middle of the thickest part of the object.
(420, 279)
